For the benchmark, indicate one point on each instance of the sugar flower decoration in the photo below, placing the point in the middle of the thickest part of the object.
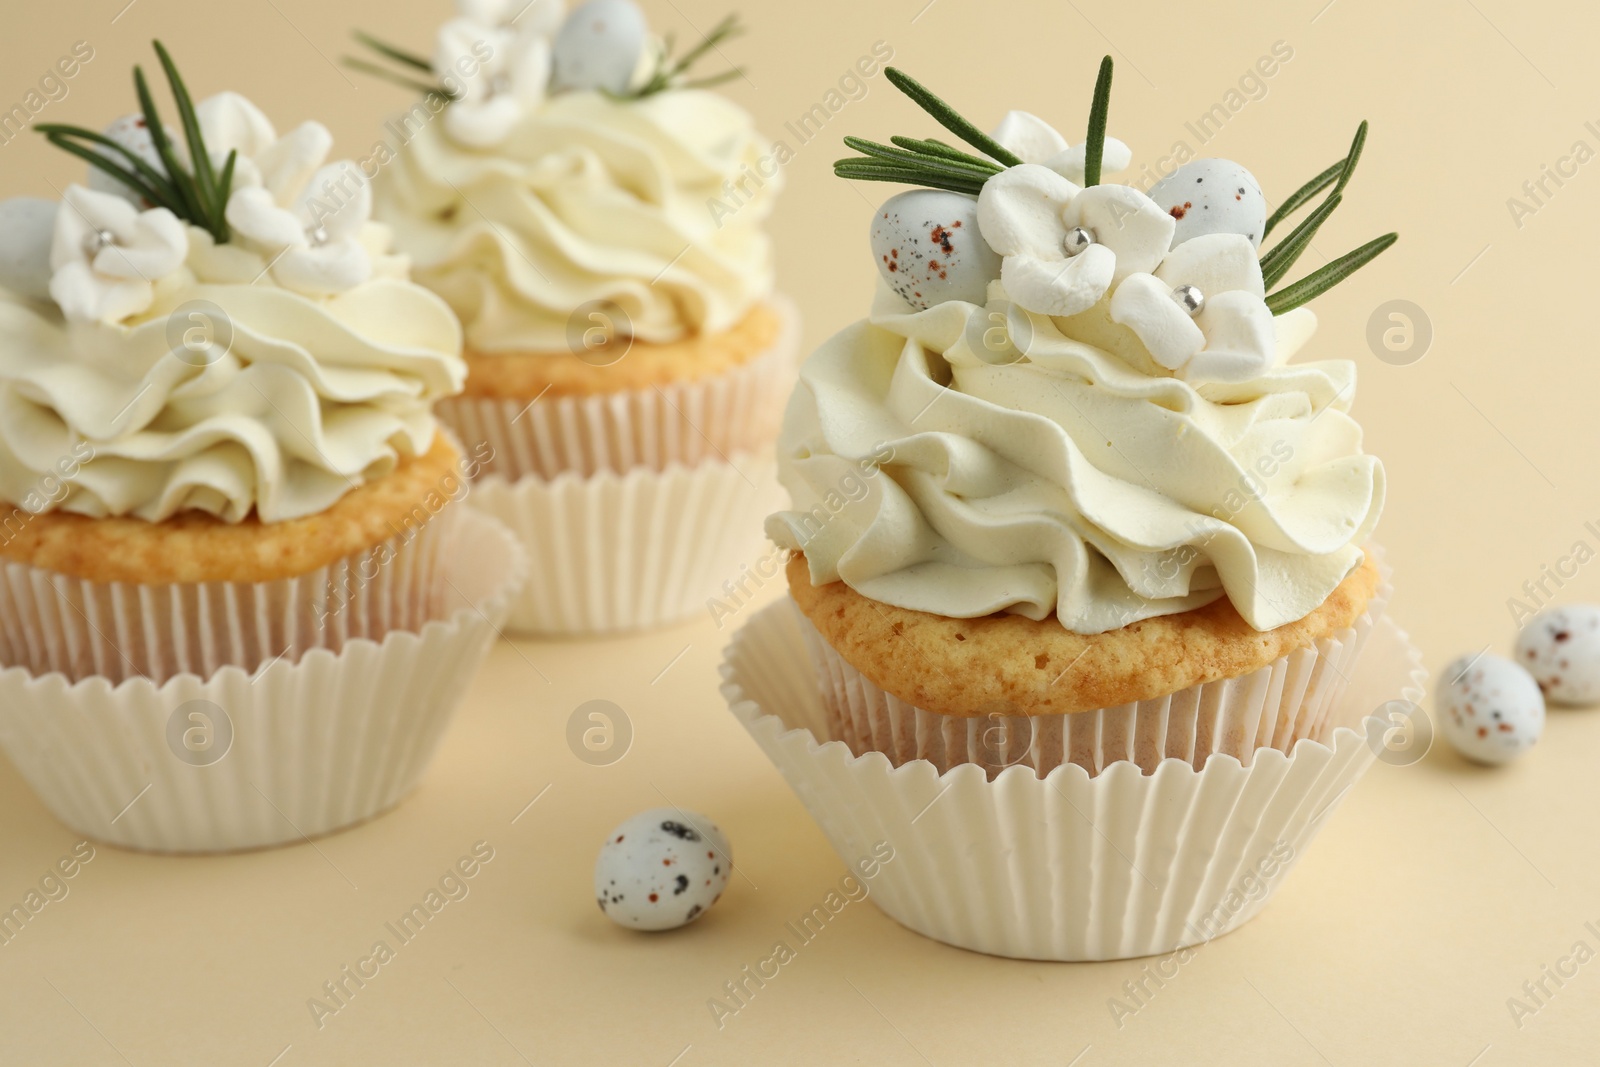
(1063, 247)
(497, 57)
(107, 255)
(1226, 335)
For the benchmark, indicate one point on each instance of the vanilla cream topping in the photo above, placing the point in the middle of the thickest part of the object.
(655, 205)
(931, 469)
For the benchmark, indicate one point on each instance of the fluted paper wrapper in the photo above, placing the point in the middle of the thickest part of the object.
(1291, 699)
(53, 623)
(311, 746)
(1069, 866)
(681, 424)
(612, 553)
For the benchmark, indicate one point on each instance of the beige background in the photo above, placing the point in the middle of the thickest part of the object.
(1431, 897)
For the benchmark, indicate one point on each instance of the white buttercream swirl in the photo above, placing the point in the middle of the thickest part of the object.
(590, 199)
(313, 398)
(1069, 481)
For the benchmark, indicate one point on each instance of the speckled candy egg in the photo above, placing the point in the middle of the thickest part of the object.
(927, 247)
(1212, 196)
(662, 869)
(132, 133)
(27, 228)
(1561, 649)
(599, 46)
(1489, 708)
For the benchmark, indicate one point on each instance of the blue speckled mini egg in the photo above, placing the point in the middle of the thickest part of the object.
(1560, 647)
(1212, 196)
(927, 247)
(662, 869)
(1489, 708)
(599, 46)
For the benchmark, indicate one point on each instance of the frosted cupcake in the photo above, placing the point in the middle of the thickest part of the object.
(237, 582)
(595, 217)
(1069, 524)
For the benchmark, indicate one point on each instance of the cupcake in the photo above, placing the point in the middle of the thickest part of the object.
(1082, 565)
(240, 597)
(594, 215)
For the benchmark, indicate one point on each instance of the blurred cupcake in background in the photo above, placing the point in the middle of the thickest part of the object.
(240, 598)
(594, 214)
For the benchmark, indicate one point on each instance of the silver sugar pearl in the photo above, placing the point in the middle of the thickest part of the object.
(1189, 299)
(1077, 241)
(98, 241)
(318, 236)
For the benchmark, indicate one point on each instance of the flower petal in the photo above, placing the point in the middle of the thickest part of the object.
(293, 159)
(1114, 159)
(1144, 304)
(1240, 339)
(230, 122)
(84, 296)
(1127, 222)
(256, 215)
(1030, 137)
(483, 124)
(1019, 211)
(159, 246)
(1058, 286)
(325, 270)
(337, 201)
(1214, 263)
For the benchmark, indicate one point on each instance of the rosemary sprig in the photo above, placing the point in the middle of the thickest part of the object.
(669, 71)
(949, 118)
(1276, 263)
(1338, 175)
(408, 62)
(1095, 147)
(198, 195)
(1314, 285)
(399, 55)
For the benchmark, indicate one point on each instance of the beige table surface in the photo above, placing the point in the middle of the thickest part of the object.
(1430, 898)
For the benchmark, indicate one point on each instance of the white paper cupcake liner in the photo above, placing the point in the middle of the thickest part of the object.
(684, 423)
(612, 553)
(1289, 700)
(1069, 866)
(53, 623)
(244, 760)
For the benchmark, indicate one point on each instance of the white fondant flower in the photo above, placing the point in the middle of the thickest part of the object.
(1036, 141)
(107, 255)
(1026, 213)
(502, 67)
(1232, 339)
(305, 217)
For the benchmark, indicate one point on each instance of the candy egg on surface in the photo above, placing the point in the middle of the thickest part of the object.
(27, 228)
(1212, 196)
(1560, 647)
(1489, 708)
(927, 247)
(662, 869)
(132, 133)
(599, 46)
